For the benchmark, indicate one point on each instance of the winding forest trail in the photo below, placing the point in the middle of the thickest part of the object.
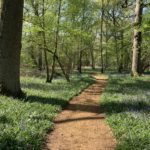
(82, 126)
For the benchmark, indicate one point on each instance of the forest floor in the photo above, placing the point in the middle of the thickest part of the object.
(126, 103)
(24, 123)
(82, 126)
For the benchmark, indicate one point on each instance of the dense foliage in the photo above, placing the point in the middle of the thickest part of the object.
(82, 33)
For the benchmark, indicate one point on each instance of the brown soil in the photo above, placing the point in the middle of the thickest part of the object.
(81, 126)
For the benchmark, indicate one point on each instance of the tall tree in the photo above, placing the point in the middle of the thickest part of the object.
(56, 40)
(44, 42)
(137, 39)
(101, 37)
(81, 40)
(10, 46)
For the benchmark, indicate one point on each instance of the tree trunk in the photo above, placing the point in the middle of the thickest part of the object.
(106, 39)
(63, 70)
(137, 39)
(101, 38)
(116, 41)
(92, 56)
(10, 46)
(40, 60)
(32, 55)
(80, 62)
(120, 69)
(81, 40)
(56, 41)
(44, 43)
(46, 59)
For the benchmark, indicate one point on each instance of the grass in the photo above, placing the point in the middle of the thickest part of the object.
(25, 123)
(126, 102)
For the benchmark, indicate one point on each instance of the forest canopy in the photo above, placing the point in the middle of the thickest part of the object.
(88, 32)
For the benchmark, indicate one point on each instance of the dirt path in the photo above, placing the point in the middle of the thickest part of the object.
(81, 126)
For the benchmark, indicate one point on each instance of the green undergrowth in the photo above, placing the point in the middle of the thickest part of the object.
(24, 123)
(126, 101)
